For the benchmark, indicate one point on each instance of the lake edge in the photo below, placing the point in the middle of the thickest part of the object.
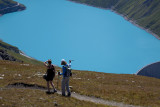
(125, 17)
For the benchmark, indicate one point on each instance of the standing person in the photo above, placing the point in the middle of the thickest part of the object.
(65, 80)
(50, 75)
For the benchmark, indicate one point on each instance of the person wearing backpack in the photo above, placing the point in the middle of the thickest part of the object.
(66, 74)
(50, 75)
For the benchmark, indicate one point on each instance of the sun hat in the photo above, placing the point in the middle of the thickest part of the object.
(62, 60)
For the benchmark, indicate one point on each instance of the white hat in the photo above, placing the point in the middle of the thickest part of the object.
(62, 60)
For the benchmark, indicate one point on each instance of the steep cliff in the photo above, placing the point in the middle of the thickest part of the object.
(145, 13)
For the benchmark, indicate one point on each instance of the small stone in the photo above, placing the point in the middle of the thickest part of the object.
(77, 78)
(41, 98)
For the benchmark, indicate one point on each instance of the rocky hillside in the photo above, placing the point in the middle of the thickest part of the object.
(12, 53)
(5, 56)
(8, 6)
(145, 13)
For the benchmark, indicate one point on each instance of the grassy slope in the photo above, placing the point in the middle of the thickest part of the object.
(35, 98)
(13, 72)
(130, 89)
(146, 13)
(12, 50)
(6, 3)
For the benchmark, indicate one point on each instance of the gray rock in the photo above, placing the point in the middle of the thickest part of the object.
(152, 70)
(5, 56)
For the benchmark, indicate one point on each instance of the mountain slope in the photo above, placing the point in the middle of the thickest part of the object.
(145, 13)
(8, 6)
(12, 53)
(123, 88)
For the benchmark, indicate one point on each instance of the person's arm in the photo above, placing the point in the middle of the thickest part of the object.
(45, 63)
(61, 73)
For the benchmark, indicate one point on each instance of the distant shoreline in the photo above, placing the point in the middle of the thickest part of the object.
(23, 54)
(136, 24)
(125, 17)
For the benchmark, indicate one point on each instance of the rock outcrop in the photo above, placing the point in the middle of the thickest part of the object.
(5, 56)
(9, 47)
(152, 70)
(5, 49)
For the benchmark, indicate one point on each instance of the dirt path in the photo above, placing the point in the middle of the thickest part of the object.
(74, 95)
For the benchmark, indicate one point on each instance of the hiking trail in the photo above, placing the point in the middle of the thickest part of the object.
(74, 95)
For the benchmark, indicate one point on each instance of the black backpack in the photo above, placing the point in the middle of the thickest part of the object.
(68, 72)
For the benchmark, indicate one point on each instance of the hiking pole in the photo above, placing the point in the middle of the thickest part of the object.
(58, 80)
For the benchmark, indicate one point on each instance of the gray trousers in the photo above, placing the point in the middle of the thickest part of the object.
(65, 84)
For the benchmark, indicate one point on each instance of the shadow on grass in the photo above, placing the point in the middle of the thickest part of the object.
(24, 85)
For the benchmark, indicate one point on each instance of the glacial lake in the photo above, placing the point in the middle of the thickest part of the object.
(98, 40)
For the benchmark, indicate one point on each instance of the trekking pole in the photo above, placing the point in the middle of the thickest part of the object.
(58, 79)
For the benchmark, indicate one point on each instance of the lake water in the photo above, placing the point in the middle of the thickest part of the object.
(97, 39)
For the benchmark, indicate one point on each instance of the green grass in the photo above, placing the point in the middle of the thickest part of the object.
(28, 97)
(129, 89)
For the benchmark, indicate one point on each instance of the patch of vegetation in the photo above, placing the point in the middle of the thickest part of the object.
(145, 13)
(28, 97)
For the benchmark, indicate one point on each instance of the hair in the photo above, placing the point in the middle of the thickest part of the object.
(63, 63)
(49, 61)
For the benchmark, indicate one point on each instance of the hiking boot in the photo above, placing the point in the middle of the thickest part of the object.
(69, 94)
(55, 91)
(48, 92)
(63, 95)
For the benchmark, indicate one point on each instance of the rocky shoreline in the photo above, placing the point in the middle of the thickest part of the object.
(125, 17)
(136, 24)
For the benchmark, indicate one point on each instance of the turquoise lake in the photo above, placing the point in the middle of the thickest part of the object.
(98, 40)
